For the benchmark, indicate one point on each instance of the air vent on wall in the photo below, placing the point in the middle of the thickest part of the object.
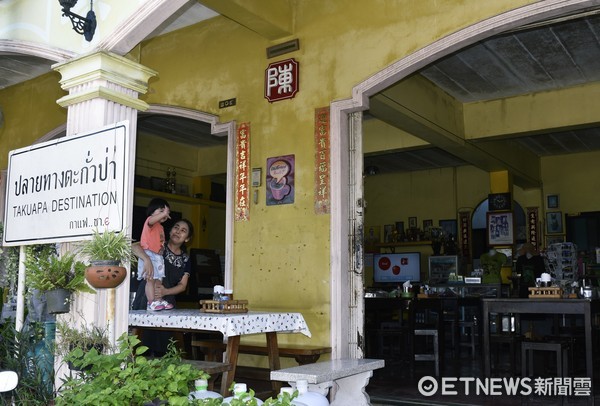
(283, 48)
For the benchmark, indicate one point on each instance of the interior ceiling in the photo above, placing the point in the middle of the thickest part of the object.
(549, 55)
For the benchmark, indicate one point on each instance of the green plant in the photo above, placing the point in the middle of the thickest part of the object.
(84, 337)
(127, 377)
(108, 246)
(45, 270)
(9, 264)
(25, 352)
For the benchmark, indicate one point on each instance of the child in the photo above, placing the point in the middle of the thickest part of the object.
(153, 241)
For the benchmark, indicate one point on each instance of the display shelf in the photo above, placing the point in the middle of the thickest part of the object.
(403, 244)
(177, 198)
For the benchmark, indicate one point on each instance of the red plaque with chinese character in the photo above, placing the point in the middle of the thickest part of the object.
(281, 80)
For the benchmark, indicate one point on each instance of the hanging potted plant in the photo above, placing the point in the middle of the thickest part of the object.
(107, 252)
(58, 277)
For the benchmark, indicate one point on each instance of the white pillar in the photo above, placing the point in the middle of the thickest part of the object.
(103, 89)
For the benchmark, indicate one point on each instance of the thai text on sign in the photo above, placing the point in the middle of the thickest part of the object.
(322, 153)
(281, 80)
(65, 189)
(242, 171)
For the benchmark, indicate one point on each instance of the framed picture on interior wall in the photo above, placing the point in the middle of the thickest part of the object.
(552, 201)
(372, 238)
(554, 239)
(400, 227)
(449, 227)
(554, 223)
(388, 233)
(500, 228)
(412, 222)
(427, 224)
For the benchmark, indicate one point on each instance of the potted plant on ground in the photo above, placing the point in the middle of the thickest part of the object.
(57, 276)
(107, 251)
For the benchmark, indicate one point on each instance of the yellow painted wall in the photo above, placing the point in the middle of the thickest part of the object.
(30, 111)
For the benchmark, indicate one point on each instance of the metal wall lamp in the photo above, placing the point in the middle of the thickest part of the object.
(85, 26)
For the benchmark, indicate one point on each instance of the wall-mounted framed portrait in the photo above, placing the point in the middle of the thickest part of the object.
(500, 228)
(554, 223)
(552, 201)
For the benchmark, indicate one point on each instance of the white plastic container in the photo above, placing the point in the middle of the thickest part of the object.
(202, 391)
(239, 389)
(290, 391)
(308, 398)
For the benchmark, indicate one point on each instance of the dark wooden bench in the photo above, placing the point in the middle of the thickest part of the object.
(303, 354)
(214, 369)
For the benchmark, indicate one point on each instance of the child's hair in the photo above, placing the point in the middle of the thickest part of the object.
(156, 203)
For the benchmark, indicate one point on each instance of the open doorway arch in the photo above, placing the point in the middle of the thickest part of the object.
(346, 151)
(221, 130)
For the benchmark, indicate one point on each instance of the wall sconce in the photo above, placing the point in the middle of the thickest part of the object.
(85, 26)
(203, 224)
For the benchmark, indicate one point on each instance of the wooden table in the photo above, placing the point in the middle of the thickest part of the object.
(232, 326)
(584, 307)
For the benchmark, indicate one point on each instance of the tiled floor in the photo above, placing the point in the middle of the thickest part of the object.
(393, 385)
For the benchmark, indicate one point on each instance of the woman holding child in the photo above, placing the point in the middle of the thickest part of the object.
(177, 265)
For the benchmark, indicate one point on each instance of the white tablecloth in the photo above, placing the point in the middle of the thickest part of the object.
(228, 324)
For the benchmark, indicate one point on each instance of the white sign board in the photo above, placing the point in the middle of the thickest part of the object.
(64, 189)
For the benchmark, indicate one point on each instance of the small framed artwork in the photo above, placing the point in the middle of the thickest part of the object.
(552, 201)
(554, 223)
(412, 222)
(400, 227)
(388, 233)
(449, 227)
(500, 228)
(554, 239)
(427, 224)
(256, 177)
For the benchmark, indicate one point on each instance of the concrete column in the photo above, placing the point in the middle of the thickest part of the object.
(103, 90)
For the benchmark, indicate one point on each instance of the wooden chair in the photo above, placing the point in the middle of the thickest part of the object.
(427, 320)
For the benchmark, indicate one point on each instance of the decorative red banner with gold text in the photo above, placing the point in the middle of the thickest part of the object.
(532, 227)
(464, 218)
(242, 170)
(322, 203)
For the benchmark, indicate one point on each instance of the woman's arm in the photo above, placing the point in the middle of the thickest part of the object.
(180, 287)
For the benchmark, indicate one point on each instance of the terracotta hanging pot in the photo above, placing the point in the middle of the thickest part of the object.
(105, 274)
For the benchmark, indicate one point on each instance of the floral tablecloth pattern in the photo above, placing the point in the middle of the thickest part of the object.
(228, 324)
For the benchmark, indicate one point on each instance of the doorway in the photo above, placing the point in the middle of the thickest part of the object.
(344, 135)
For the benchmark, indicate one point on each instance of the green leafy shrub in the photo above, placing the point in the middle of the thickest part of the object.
(127, 377)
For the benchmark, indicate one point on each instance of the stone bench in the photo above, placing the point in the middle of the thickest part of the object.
(347, 379)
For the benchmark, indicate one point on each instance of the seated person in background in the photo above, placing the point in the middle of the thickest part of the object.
(530, 265)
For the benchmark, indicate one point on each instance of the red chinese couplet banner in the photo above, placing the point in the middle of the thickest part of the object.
(464, 217)
(322, 153)
(532, 227)
(242, 178)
